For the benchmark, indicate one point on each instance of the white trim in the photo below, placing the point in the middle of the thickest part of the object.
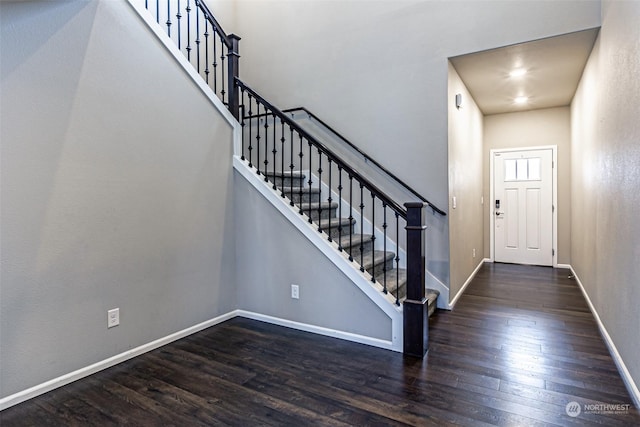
(182, 60)
(632, 387)
(348, 336)
(60, 381)
(466, 283)
(567, 266)
(554, 235)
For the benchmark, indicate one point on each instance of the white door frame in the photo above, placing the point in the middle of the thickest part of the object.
(492, 206)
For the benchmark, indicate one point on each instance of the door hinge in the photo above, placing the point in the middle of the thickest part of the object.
(553, 208)
(553, 252)
(553, 164)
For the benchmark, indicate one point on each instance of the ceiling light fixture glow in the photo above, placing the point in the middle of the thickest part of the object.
(521, 100)
(518, 72)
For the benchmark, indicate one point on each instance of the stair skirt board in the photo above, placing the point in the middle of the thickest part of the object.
(373, 290)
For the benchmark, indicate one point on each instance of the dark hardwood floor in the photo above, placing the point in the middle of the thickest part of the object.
(520, 345)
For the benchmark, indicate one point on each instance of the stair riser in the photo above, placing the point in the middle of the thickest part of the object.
(287, 182)
(336, 231)
(379, 268)
(356, 250)
(306, 197)
(316, 215)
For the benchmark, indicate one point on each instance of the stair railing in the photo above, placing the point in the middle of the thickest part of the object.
(364, 155)
(292, 149)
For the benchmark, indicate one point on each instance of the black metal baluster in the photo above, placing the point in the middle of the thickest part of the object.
(215, 61)
(206, 50)
(350, 217)
(301, 155)
(198, 36)
(258, 136)
(242, 124)
(146, 4)
(169, 19)
(281, 152)
(362, 228)
(224, 71)
(178, 17)
(397, 259)
(310, 181)
(158, 11)
(188, 9)
(291, 166)
(384, 241)
(250, 128)
(320, 191)
(339, 207)
(373, 236)
(266, 143)
(330, 199)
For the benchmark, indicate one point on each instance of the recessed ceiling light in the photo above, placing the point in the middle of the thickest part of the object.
(521, 100)
(518, 72)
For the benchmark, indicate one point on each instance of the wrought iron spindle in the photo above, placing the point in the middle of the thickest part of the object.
(291, 166)
(310, 182)
(275, 149)
(242, 125)
(397, 259)
(320, 192)
(330, 199)
(198, 36)
(384, 242)
(206, 50)
(339, 207)
(373, 237)
(215, 61)
(258, 136)
(178, 17)
(250, 148)
(350, 217)
(188, 9)
(362, 229)
(301, 155)
(169, 19)
(282, 140)
(224, 76)
(266, 143)
(158, 11)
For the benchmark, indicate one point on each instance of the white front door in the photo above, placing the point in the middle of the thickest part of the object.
(523, 207)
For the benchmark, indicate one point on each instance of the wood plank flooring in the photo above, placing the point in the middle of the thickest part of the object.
(520, 345)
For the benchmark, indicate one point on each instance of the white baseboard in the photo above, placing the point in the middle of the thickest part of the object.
(466, 283)
(632, 387)
(567, 266)
(39, 389)
(348, 336)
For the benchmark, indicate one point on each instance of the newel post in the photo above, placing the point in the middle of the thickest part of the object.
(233, 72)
(415, 309)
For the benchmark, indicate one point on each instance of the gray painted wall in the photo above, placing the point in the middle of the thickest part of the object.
(377, 70)
(549, 126)
(465, 170)
(605, 233)
(116, 191)
(272, 255)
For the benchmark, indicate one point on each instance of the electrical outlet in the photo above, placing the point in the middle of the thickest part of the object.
(113, 317)
(295, 292)
(474, 252)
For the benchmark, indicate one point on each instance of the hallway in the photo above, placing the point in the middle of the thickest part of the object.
(520, 345)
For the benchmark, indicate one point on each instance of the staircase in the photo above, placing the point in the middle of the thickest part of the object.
(383, 237)
(378, 264)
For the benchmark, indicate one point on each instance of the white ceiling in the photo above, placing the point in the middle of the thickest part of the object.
(554, 66)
